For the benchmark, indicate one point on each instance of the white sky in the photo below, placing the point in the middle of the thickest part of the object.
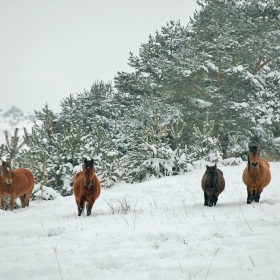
(51, 49)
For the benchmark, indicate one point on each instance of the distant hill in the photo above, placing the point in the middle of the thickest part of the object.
(12, 119)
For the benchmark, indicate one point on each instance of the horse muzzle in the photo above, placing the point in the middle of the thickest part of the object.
(255, 165)
(9, 182)
(88, 183)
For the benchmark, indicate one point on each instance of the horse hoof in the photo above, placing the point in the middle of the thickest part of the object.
(88, 213)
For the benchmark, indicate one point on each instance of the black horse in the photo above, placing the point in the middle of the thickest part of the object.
(212, 183)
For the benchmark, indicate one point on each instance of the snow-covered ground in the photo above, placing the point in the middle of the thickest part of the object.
(154, 230)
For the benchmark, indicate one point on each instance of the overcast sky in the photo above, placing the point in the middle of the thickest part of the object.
(53, 48)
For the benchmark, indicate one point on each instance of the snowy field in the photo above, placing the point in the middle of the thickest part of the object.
(154, 230)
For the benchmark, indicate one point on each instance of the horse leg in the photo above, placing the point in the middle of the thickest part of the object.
(210, 200)
(257, 195)
(2, 198)
(215, 199)
(12, 202)
(250, 196)
(78, 203)
(89, 207)
(81, 206)
(205, 199)
(26, 198)
(22, 200)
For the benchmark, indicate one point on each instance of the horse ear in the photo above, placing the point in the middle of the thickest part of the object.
(258, 146)
(249, 145)
(92, 161)
(207, 167)
(85, 160)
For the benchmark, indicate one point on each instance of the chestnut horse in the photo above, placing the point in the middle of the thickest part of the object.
(212, 183)
(15, 183)
(256, 175)
(86, 187)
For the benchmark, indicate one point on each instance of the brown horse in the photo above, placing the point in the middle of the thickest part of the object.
(256, 175)
(212, 183)
(15, 183)
(86, 187)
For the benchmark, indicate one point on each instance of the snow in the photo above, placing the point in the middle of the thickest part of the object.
(12, 119)
(158, 229)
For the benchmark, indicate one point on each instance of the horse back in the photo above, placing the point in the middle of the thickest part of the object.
(78, 181)
(220, 172)
(221, 183)
(98, 186)
(266, 172)
(264, 163)
(23, 181)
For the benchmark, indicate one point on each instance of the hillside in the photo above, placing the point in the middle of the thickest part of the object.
(14, 118)
(158, 229)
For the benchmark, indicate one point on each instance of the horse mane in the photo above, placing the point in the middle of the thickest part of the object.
(254, 148)
(88, 165)
(4, 166)
(248, 161)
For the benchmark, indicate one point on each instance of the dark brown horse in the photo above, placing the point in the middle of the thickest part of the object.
(15, 183)
(86, 187)
(256, 175)
(212, 183)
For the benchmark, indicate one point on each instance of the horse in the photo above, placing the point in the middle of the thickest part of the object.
(212, 183)
(86, 187)
(256, 174)
(15, 183)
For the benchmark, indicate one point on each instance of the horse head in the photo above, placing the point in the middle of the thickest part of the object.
(211, 176)
(88, 169)
(253, 156)
(6, 172)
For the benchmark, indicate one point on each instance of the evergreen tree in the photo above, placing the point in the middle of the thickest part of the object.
(238, 50)
(12, 146)
(208, 146)
(226, 63)
(155, 71)
(64, 150)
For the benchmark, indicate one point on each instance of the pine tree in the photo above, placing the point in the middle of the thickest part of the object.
(64, 149)
(239, 45)
(207, 146)
(155, 68)
(150, 155)
(13, 145)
